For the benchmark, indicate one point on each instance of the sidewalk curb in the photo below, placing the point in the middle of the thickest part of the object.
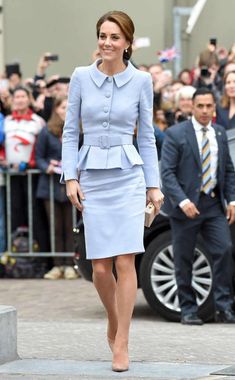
(8, 334)
(102, 369)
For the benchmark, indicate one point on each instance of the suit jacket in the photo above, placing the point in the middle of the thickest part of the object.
(222, 118)
(182, 170)
(109, 108)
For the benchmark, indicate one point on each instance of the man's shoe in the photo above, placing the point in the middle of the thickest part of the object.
(191, 319)
(225, 316)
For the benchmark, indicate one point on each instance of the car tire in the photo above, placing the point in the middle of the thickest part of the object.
(161, 292)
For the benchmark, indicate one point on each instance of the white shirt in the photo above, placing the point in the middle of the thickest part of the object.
(213, 147)
(214, 152)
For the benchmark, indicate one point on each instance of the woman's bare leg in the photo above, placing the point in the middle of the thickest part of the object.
(105, 284)
(126, 295)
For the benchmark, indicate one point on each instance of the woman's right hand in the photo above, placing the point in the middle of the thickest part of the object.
(74, 193)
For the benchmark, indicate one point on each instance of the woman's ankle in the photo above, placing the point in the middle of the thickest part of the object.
(112, 327)
(121, 343)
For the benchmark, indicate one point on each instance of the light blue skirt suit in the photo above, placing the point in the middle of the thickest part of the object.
(112, 174)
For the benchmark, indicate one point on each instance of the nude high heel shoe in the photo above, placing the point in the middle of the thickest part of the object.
(120, 361)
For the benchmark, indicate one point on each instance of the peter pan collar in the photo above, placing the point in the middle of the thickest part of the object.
(120, 79)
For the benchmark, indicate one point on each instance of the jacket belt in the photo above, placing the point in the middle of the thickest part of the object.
(105, 141)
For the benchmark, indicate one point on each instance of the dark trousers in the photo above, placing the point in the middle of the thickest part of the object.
(213, 226)
(19, 201)
(19, 210)
(63, 230)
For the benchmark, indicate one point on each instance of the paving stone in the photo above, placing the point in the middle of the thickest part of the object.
(64, 321)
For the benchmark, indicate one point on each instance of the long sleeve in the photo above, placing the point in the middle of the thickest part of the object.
(169, 164)
(145, 135)
(42, 161)
(229, 175)
(70, 141)
(1, 129)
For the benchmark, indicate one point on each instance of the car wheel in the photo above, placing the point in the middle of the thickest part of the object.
(157, 279)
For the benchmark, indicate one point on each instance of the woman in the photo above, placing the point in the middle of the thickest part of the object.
(48, 159)
(184, 103)
(110, 189)
(225, 114)
(185, 76)
(159, 126)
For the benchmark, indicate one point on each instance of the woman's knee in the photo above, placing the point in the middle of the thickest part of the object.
(125, 264)
(101, 269)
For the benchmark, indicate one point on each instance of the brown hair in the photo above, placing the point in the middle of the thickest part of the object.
(21, 88)
(225, 101)
(208, 58)
(55, 123)
(124, 22)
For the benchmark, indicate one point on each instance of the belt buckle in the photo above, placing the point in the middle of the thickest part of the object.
(104, 142)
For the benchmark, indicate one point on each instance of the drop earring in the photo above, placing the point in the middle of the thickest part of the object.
(126, 51)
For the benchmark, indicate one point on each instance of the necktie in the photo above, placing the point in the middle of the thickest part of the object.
(206, 163)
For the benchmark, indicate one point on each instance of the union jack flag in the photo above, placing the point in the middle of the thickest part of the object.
(167, 55)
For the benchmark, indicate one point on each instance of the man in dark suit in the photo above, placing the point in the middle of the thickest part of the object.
(199, 184)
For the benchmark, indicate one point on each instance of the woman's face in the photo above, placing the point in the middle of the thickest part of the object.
(185, 105)
(14, 80)
(20, 101)
(186, 78)
(175, 87)
(230, 85)
(61, 110)
(112, 42)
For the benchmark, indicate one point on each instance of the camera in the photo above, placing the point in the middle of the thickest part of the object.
(213, 41)
(52, 57)
(182, 117)
(205, 73)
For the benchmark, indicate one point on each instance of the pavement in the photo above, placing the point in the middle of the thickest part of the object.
(62, 335)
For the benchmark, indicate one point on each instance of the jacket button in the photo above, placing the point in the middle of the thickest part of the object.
(106, 109)
(105, 124)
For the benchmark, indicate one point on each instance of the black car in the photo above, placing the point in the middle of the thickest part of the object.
(155, 268)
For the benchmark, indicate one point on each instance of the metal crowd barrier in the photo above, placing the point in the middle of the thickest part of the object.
(29, 173)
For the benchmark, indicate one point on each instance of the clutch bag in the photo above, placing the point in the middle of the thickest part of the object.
(150, 213)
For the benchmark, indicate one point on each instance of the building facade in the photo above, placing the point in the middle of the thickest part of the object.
(67, 27)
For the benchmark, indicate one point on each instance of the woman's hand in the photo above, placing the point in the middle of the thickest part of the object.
(155, 196)
(74, 193)
(52, 165)
(50, 169)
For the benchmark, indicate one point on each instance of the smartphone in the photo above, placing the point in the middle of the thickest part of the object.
(205, 73)
(34, 86)
(213, 41)
(4, 84)
(52, 57)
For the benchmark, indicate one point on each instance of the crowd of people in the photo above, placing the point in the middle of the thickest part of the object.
(32, 117)
(32, 114)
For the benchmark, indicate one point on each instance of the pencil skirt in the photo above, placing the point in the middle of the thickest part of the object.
(113, 213)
